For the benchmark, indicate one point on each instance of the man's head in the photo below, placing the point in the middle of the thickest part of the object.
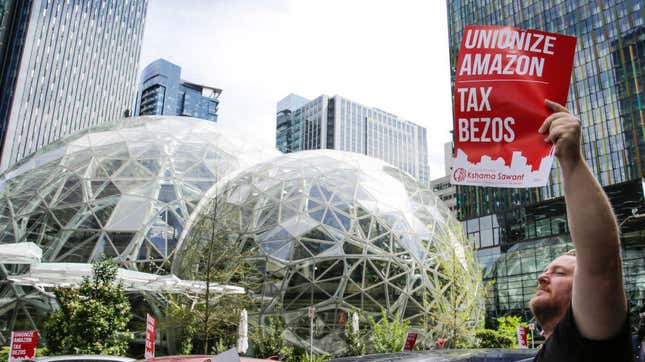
(553, 294)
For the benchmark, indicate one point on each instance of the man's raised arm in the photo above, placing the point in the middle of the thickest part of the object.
(599, 303)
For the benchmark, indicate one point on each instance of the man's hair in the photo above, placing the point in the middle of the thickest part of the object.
(571, 252)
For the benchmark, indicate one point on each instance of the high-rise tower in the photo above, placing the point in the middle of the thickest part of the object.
(341, 124)
(65, 66)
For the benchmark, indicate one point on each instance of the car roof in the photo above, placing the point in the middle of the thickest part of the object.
(186, 358)
(194, 358)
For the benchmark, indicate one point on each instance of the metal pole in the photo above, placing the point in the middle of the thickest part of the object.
(311, 337)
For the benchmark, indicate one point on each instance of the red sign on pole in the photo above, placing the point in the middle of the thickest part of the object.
(23, 345)
(151, 327)
(410, 341)
(341, 318)
(502, 78)
(522, 341)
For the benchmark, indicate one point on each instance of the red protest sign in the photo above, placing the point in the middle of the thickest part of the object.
(410, 341)
(502, 78)
(151, 326)
(23, 345)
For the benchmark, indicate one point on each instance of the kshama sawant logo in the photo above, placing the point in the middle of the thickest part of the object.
(460, 174)
(502, 79)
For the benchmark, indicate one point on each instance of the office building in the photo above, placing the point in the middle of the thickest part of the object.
(441, 186)
(65, 66)
(163, 92)
(446, 191)
(518, 231)
(339, 123)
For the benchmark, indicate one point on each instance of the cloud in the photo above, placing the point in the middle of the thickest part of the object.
(384, 54)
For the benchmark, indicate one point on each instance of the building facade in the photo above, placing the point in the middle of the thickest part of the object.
(441, 186)
(518, 231)
(339, 123)
(65, 66)
(446, 191)
(163, 92)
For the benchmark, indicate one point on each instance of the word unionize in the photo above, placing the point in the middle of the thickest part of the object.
(520, 53)
(505, 64)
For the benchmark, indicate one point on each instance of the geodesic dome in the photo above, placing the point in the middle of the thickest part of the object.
(123, 189)
(338, 231)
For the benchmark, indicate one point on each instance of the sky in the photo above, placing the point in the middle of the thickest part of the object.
(391, 55)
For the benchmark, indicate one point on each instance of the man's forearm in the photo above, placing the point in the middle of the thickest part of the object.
(598, 295)
(591, 220)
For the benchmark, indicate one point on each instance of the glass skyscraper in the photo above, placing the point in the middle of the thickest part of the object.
(518, 231)
(65, 66)
(341, 124)
(163, 92)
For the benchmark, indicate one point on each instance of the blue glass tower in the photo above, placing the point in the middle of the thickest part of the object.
(163, 92)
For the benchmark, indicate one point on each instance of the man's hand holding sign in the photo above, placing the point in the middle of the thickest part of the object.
(580, 300)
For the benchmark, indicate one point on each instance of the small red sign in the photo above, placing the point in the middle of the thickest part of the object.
(151, 327)
(341, 318)
(311, 311)
(23, 345)
(410, 341)
(522, 341)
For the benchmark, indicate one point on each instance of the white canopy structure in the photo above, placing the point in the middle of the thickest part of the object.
(20, 253)
(68, 275)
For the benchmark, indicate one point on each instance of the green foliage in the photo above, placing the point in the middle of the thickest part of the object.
(219, 347)
(92, 319)
(507, 327)
(388, 336)
(489, 338)
(179, 318)
(268, 339)
(355, 344)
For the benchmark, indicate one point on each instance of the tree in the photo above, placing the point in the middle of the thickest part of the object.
(388, 336)
(92, 319)
(217, 255)
(458, 310)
